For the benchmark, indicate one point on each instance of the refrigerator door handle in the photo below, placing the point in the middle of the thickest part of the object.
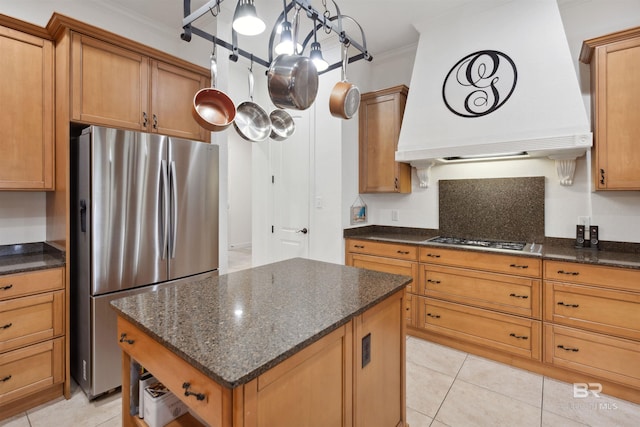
(174, 211)
(164, 212)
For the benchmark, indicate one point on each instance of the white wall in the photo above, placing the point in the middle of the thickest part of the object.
(22, 217)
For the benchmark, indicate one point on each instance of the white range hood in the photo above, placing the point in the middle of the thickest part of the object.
(493, 80)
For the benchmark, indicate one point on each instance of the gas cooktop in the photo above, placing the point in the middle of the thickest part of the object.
(495, 245)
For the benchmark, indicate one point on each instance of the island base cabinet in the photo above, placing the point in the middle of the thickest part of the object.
(353, 376)
(310, 388)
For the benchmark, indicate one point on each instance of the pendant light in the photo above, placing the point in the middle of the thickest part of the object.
(316, 53)
(286, 38)
(245, 19)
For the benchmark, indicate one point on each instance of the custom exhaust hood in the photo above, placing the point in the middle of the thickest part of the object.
(494, 80)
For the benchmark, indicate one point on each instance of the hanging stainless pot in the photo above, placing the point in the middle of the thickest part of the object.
(292, 79)
(252, 121)
(282, 125)
(212, 108)
(345, 97)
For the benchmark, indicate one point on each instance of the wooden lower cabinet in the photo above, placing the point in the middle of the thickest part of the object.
(597, 355)
(388, 258)
(32, 339)
(503, 332)
(324, 384)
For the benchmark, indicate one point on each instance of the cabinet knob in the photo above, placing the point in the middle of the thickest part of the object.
(404, 252)
(155, 121)
(435, 316)
(568, 305)
(433, 256)
(568, 348)
(145, 119)
(602, 176)
(520, 337)
(7, 326)
(123, 338)
(435, 282)
(519, 296)
(198, 396)
(6, 288)
(518, 266)
(572, 273)
(5, 379)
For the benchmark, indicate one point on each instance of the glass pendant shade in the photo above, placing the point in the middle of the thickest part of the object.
(245, 19)
(316, 56)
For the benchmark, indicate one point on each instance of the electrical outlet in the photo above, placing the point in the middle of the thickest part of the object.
(395, 215)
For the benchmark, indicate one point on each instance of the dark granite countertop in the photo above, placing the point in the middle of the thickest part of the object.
(614, 254)
(236, 326)
(28, 257)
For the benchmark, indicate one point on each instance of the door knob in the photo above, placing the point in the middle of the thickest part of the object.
(303, 231)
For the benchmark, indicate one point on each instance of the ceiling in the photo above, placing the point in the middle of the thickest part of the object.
(387, 24)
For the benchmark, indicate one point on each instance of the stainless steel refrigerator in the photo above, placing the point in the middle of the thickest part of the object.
(144, 214)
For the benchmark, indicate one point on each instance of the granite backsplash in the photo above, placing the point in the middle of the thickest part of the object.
(510, 209)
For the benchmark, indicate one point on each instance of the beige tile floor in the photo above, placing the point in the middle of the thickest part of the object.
(445, 387)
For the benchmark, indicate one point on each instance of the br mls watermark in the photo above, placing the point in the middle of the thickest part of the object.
(584, 390)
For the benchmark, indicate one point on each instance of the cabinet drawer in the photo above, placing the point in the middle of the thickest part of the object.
(511, 294)
(588, 274)
(15, 285)
(602, 310)
(28, 320)
(173, 372)
(503, 332)
(615, 359)
(387, 265)
(30, 369)
(518, 265)
(390, 250)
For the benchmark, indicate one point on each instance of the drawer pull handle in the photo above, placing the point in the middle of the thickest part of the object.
(568, 305)
(404, 252)
(567, 348)
(186, 387)
(433, 255)
(6, 288)
(572, 273)
(518, 266)
(433, 281)
(8, 325)
(358, 246)
(435, 316)
(5, 379)
(520, 337)
(519, 296)
(123, 338)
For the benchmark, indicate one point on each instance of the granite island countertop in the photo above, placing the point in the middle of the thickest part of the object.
(21, 258)
(236, 326)
(613, 254)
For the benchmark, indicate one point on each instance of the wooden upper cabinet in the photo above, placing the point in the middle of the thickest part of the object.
(172, 92)
(117, 87)
(27, 113)
(380, 117)
(615, 102)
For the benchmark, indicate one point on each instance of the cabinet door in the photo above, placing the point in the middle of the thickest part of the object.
(172, 92)
(617, 128)
(26, 117)
(380, 119)
(379, 365)
(110, 85)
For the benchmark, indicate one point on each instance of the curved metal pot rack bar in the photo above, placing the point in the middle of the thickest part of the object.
(319, 21)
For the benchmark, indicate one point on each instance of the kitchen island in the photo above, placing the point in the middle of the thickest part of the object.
(298, 342)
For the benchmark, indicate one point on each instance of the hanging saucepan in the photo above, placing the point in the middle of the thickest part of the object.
(345, 97)
(252, 121)
(212, 108)
(282, 125)
(293, 79)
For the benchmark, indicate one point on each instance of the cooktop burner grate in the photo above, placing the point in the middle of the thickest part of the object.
(514, 246)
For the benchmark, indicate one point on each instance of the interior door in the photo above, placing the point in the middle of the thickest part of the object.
(291, 165)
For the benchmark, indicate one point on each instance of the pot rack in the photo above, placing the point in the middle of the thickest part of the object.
(331, 24)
